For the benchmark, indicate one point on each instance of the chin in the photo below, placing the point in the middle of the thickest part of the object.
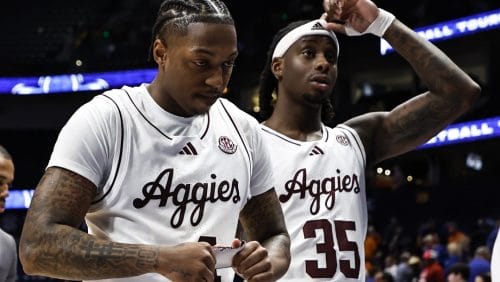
(317, 98)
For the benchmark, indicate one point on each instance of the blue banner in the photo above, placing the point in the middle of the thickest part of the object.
(466, 132)
(455, 28)
(68, 83)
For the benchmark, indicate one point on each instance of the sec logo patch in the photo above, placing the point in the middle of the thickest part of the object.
(226, 145)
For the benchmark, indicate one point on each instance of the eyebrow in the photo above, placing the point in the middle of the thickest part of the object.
(208, 52)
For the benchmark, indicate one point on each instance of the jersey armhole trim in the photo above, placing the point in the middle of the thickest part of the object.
(145, 118)
(355, 136)
(237, 131)
(119, 157)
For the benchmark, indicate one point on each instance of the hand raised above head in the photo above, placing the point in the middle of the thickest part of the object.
(352, 17)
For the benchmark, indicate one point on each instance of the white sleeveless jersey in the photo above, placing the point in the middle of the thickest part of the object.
(164, 179)
(321, 186)
(495, 260)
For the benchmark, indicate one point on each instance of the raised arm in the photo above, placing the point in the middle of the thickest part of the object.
(451, 92)
(267, 256)
(52, 245)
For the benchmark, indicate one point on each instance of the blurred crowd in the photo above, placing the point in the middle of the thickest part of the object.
(438, 252)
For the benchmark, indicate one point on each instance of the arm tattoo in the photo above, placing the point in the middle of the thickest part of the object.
(60, 249)
(450, 93)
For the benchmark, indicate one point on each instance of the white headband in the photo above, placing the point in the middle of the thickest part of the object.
(316, 27)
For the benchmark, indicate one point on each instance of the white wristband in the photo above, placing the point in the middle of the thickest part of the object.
(377, 27)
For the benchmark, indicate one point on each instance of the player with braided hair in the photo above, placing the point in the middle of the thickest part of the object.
(321, 170)
(162, 171)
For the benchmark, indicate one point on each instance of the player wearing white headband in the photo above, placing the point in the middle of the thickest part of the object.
(320, 170)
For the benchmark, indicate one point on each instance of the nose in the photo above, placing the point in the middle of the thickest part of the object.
(216, 79)
(321, 63)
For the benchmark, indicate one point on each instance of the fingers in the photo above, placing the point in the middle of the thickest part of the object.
(253, 262)
(336, 27)
(188, 262)
(236, 243)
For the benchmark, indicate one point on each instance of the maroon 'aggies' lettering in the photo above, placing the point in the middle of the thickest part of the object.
(185, 193)
(317, 187)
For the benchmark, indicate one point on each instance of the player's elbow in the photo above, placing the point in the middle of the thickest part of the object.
(470, 94)
(28, 254)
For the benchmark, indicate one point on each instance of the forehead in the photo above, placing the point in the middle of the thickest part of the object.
(316, 39)
(210, 37)
(6, 168)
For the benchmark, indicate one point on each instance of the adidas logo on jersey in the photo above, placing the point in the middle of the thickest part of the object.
(188, 149)
(316, 151)
(317, 26)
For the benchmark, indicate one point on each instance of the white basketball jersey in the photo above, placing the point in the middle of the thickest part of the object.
(495, 260)
(164, 179)
(321, 186)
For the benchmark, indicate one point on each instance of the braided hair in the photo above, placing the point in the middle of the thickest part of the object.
(269, 84)
(174, 16)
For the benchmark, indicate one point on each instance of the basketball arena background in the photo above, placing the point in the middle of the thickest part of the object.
(56, 55)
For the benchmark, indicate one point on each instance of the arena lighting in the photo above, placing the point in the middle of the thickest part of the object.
(466, 132)
(67, 83)
(454, 28)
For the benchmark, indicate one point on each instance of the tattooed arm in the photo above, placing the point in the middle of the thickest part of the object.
(450, 93)
(52, 245)
(267, 257)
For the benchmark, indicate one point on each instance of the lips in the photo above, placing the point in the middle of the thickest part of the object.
(210, 96)
(320, 79)
(320, 82)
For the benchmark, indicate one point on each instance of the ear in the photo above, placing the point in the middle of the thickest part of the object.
(159, 51)
(277, 68)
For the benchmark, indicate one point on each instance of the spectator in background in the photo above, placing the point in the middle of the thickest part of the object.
(432, 271)
(8, 248)
(459, 272)
(372, 243)
(431, 242)
(382, 276)
(404, 272)
(458, 236)
(483, 277)
(480, 263)
(454, 255)
(415, 265)
(390, 265)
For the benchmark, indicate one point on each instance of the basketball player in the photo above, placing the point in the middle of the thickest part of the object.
(160, 171)
(495, 260)
(8, 248)
(321, 170)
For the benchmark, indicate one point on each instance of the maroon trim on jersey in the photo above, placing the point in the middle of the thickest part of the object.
(208, 125)
(119, 156)
(237, 131)
(355, 139)
(145, 118)
(281, 137)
